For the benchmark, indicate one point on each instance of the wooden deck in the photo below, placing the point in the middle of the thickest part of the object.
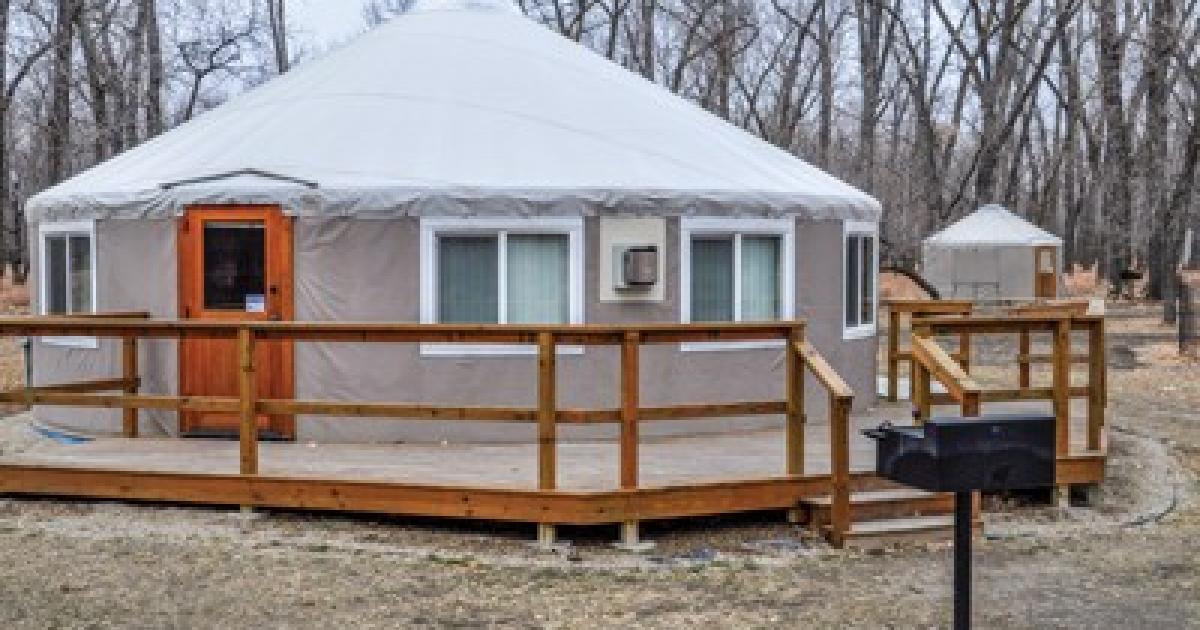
(582, 466)
(687, 476)
(555, 480)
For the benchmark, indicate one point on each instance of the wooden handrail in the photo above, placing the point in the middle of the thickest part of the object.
(104, 315)
(841, 400)
(564, 334)
(931, 361)
(830, 379)
(1061, 307)
(947, 371)
(956, 307)
(1004, 323)
(897, 309)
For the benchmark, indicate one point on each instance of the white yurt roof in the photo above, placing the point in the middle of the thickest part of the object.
(457, 107)
(992, 225)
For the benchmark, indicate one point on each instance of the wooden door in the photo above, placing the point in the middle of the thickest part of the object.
(1045, 272)
(235, 264)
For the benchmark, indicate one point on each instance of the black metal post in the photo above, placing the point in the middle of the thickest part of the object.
(962, 560)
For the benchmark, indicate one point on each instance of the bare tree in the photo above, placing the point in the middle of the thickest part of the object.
(277, 19)
(58, 126)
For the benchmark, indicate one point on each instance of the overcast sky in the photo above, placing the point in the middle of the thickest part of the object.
(327, 21)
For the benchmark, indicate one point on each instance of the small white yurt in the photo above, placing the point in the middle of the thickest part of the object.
(993, 254)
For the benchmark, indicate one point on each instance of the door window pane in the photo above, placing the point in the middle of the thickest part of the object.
(760, 278)
(56, 275)
(868, 280)
(234, 264)
(712, 280)
(853, 276)
(538, 279)
(468, 280)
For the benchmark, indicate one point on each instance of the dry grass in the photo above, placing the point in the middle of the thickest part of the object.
(1084, 282)
(14, 301)
(74, 564)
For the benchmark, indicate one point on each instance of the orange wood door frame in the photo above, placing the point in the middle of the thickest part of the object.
(208, 367)
(1045, 272)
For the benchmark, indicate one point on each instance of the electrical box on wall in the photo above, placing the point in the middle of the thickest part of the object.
(635, 267)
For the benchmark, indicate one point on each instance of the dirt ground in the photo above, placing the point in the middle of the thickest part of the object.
(1132, 558)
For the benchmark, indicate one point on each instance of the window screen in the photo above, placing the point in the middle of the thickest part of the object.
(56, 275)
(80, 254)
(760, 278)
(867, 315)
(468, 281)
(712, 280)
(234, 264)
(860, 280)
(853, 278)
(538, 279)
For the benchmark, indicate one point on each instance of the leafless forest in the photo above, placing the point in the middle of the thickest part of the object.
(1080, 114)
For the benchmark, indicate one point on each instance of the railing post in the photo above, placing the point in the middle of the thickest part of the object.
(970, 405)
(919, 382)
(1062, 390)
(964, 350)
(547, 427)
(247, 401)
(839, 421)
(129, 372)
(794, 435)
(794, 427)
(1096, 385)
(1023, 357)
(893, 352)
(630, 402)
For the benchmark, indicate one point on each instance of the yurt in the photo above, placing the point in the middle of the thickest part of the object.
(460, 164)
(993, 254)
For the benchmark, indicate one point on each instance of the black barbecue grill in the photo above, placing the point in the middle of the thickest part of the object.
(996, 452)
(964, 455)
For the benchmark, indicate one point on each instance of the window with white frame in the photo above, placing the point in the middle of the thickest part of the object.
(67, 278)
(500, 271)
(736, 270)
(861, 269)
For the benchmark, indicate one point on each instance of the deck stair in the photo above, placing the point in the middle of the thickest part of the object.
(884, 513)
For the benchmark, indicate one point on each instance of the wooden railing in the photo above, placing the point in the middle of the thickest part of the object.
(931, 359)
(898, 311)
(546, 415)
(841, 400)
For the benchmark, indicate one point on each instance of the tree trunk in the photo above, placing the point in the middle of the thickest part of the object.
(154, 69)
(1161, 255)
(97, 83)
(870, 17)
(58, 126)
(648, 10)
(278, 23)
(1118, 165)
(825, 59)
(8, 244)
